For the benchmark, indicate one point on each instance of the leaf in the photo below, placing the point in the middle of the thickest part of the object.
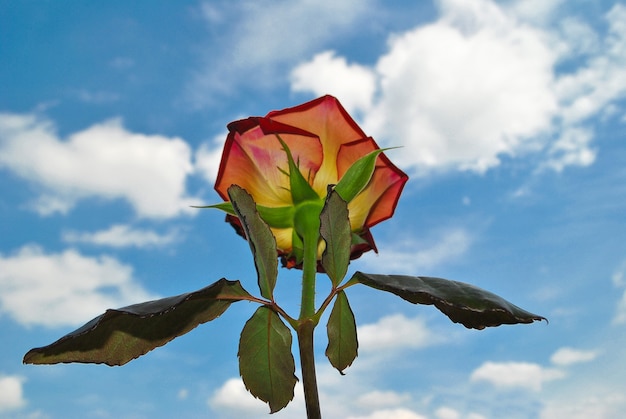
(335, 230)
(463, 303)
(343, 345)
(260, 237)
(266, 363)
(119, 336)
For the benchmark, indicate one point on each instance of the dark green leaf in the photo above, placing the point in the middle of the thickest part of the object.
(343, 345)
(463, 303)
(266, 363)
(335, 230)
(260, 237)
(119, 336)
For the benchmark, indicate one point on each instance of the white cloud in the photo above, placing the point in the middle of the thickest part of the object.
(352, 84)
(571, 149)
(377, 399)
(481, 82)
(567, 356)
(97, 97)
(11, 392)
(447, 413)
(536, 11)
(619, 276)
(64, 288)
(262, 38)
(104, 160)
(340, 396)
(232, 400)
(607, 406)
(277, 30)
(463, 90)
(515, 375)
(47, 204)
(120, 235)
(410, 255)
(395, 332)
(577, 37)
(182, 394)
(233, 396)
(208, 157)
(619, 280)
(589, 90)
(399, 413)
(620, 315)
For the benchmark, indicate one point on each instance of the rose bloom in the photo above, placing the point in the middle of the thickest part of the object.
(324, 141)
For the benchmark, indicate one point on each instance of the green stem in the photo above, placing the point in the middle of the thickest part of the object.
(330, 298)
(309, 270)
(307, 364)
(310, 227)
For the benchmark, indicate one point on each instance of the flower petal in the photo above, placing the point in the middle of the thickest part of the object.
(378, 200)
(324, 142)
(254, 159)
(334, 126)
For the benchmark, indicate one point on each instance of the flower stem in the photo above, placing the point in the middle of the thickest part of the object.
(309, 270)
(307, 321)
(307, 364)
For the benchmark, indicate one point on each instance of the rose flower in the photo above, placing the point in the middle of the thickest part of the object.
(325, 142)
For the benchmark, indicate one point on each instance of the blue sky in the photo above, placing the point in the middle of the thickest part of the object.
(510, 116)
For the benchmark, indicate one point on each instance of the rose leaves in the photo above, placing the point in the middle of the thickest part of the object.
(266, 362)
(463, 303)
(119, 336)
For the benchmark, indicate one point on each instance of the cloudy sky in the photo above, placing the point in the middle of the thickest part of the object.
(510, 115)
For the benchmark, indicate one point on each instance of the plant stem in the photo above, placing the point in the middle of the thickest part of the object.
(306, 321)
(309, 270)
(307, 364)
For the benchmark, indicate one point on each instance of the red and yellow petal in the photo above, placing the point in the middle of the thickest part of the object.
(324, 142)
(254, 159)
(329, 120)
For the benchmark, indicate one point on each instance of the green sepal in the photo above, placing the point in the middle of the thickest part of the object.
(356, 239)
(276, 217)
(307, 218)
(335, 230)
(301, 190)
(357, 176)
(260, 238)
(266, 363)
(227, 207)
(343, 344)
